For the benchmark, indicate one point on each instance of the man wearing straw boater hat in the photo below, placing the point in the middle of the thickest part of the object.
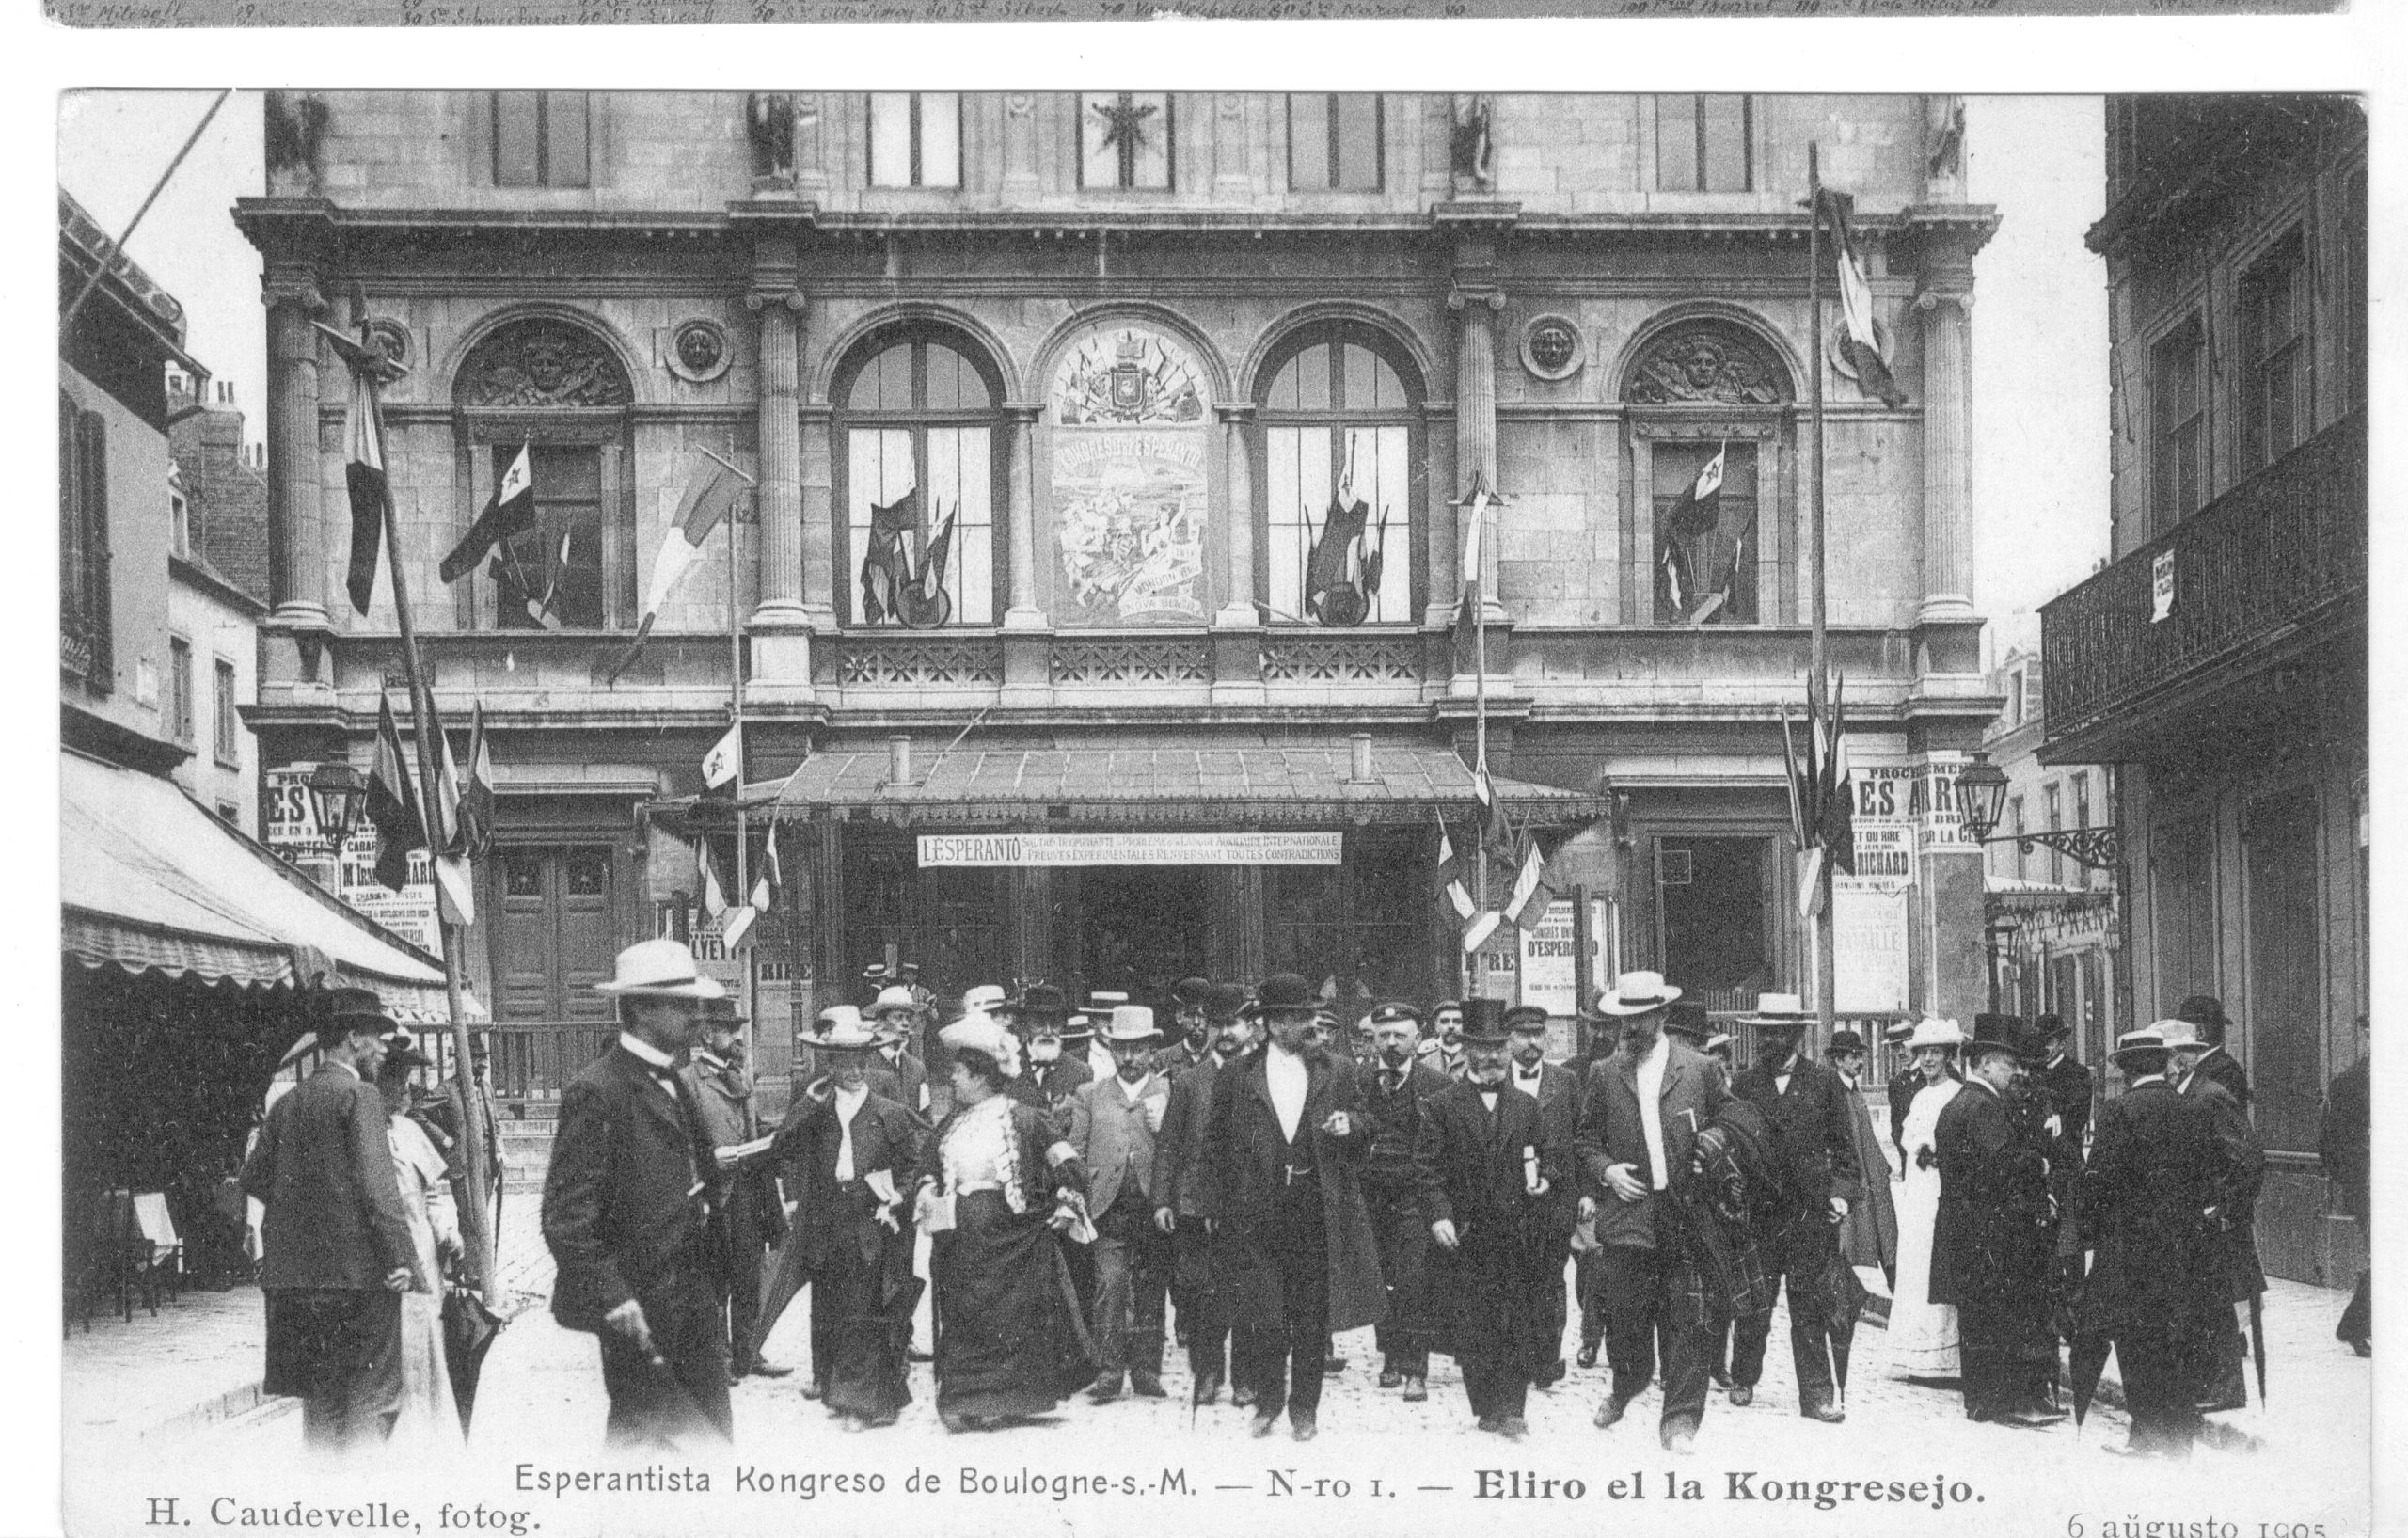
(854, 1157)
(336, 1248)
(2152, 1288)
(1990, 1245)
(1490, 1161)
(1641, 1111)
(1801, 1245)
(627, 1210)
(893, 1015)
(1114, 1125)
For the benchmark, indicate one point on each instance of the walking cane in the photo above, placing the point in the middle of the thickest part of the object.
(1839, 1387)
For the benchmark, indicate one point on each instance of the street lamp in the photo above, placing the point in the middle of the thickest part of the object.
(338, 794)
(1981, 795)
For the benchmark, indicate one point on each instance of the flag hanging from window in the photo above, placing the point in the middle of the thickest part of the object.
(392, 803)
(510, 512)
(772, 877)
(1528, 904)
(1690, 518)
(1468, 603)
(1860, 340)
(725, 764)
(709, 496)
(363, 476)
(477, 796)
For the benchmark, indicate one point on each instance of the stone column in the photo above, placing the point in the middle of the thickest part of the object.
(1475, 387)
(776, 296)
(1947, 463)
(1020, 510)
(1237, 424)
(296, 531)
(819, 515)
(1019, 146)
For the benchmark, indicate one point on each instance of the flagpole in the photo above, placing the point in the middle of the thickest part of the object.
(736, 720)
(1819, 661)
(477, 1157)
(1479, 727)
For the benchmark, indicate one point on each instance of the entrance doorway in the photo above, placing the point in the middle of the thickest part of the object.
(1137, 929)
(553, 939)
(1712, 897)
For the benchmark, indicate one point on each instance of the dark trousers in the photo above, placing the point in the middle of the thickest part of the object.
(684, 1396)
(1287, 1352)
(1987, 1358)
(2157, 1388)
(339, 1349)
(1131, 1280)
(2358, 1320)
(1497, 1384)
(1195, 1292)
(1554, 1254)
(1802, 1253)
(1640, 1293)
(2220, 1378)
(1404, 1243)
(1588, 1274)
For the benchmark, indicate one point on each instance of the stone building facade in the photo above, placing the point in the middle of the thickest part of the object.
(2220, 660)
(1135, 364)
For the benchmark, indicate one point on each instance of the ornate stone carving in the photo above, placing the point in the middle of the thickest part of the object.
(885, 661)
(1552, 347)
(1329, 659)
(698, 351)
(768, 122)
(1471, 154)
(1708, 364)
(543, 362)
(293, 122)
(1169, 661)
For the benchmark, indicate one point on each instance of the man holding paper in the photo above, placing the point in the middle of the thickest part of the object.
(753, 1220)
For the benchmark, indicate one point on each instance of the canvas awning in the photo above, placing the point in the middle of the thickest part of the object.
(1255, 785)
(151, 881)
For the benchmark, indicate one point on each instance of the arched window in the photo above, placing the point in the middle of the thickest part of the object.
(1341, 475)
(1710, 405)
(917, 479)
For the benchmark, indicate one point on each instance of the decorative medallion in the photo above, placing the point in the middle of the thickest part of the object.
(1708, 364)
(698, 351)
(543, 362)
(1126, 376)
(1843, 356)
(1552, 348)
(392, 335)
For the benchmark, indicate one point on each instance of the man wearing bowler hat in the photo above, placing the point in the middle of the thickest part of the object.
(1490, 1162)
(1114, 1126)
(1640, 1113)
(1200, 1257)
(1394, 1103)
(2223, 1384)
(1809, 1106)
(1283, 1148)
(628, 1211)
(753, 1220)
(336, 1252)
(1992, 1243)
(2205, 1055)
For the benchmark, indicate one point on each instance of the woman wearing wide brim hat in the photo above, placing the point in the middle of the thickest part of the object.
(1923, 1334)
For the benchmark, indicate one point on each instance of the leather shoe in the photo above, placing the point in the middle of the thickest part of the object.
(1680, 1442)
(1105, 1391)
(813, 1389)
(1415, 1391)
(1208, 1389)
(1332, 1363)
(2025, 1420)
(1610, 1411)
(1588, 1356)
(1243, 1397)
(1305, 1429)
(1391, 1377)
(1146, 1384)
(1825, 1412)
(1549, 1376)
(1742, 1395)
(766, 1369)
(1513, 1428)
(1265, 1423)
(1488, 1422)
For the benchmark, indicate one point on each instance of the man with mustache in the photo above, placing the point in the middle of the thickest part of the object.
(1393, 1103)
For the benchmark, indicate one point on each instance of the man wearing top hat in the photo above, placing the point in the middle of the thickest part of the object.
(1991, 1242)
(1395, 1099)
(629, 1207)
(2205, 1056)
(336, 1252)
(1115, 1125)
(2153, 1172)
(1809, 1106)
(1640, 1113)
(854, 1158)
(1199, 1257)
(2223, 1384)
(1558, 1095)
(1283, 1146)
(753, 1220)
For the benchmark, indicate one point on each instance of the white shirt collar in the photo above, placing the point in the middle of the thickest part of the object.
(646, 1049)
(2147, 1078)
(849, 1100)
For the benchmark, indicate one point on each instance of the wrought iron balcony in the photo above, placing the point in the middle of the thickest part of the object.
(2278, 555)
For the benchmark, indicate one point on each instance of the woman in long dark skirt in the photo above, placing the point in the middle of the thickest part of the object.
(858, 1159)
(1003, 1189)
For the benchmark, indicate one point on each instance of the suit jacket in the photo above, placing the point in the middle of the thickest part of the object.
(630, 1191)
(1116, 1140)
(2244, 1177)
(1818, 1131)
(1990, 1241)
(1612, 1131)
(1389, 1177)
(1056, 1081)
(2343, 1145)
(2225, 1070)
(324, 1169)
(828, 1212)
(1469, 1165)
(1244, 1158)
(2154, 1169)
(911, 1079)
(1558, 1099)
(1179, 1147)
(1905, 1084)
(2071, 1090)
(723, 1094)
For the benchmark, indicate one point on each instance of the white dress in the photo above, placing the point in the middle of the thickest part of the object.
(428, 1417)
(1923, 1334)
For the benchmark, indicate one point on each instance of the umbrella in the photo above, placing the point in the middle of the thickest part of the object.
(469, 1330)
(2257, 1342)
(780, 1279)
(2086, 1359)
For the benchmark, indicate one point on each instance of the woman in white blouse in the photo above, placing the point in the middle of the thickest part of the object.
(428, 1414)
(1923, 1334)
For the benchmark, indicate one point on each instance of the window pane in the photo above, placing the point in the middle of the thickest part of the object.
(940, 139)
(1283, 395)
(1309, 141)
(1726, 142)
(1312, 378)
(515, 142)
(564, 131)
(1387, 490)
(890, 138)
(1676, 143)
(228, 721)
(1359, 366)
(1358, 143)
(1149, 165)
(1099, 162)
(180, 691)
(1705, 558)
(1283, 502)
(880, 473)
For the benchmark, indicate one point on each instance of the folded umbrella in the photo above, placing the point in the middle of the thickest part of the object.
(2257, 1342)
(2085, 1359)
(780, 1282)
(469, 1329)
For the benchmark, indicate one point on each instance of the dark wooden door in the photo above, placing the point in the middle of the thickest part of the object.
(554, 939)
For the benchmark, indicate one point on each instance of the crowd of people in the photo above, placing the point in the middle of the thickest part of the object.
(1265, 1175)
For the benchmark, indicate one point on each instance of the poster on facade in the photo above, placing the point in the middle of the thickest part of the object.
(1870, 925)
(1129, 482)
(292, 830)
(1550, 953)
(1234, 847)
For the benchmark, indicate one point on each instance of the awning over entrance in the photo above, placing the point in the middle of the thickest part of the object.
(151, 881)
(1244, 786)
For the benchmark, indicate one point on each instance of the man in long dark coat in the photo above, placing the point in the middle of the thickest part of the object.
(629, 1206)
(336, 1248)
(1640, 1113)
(2344, 1148)
(2152, 1173)
(1283, 1150)
(754, 1221)
(1869, 1234)
(2032, 1114)
(1198, 1257)
(1558, 1092)
(1489, 1163)
(2224, 1382)
(1817, 1139)
(1991, 1254)
(1394, 1103)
